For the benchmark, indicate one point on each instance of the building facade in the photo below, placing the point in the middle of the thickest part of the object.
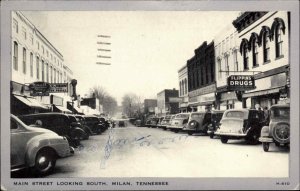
(167, 102)
(35, 59)
(183, 89)
(228, 62)
(263, 40)
(201, 78)
(149, 106)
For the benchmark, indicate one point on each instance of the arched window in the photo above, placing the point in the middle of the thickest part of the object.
(244, 52)
(278, 29)
(43, 71)
(186, 86)
(37, 68)
(31, 64)
(15, 57)
(265, 37)
(24, 61)
(254, 46)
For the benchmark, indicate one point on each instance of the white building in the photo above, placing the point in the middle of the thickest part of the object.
(34, 59)
(263, 41)
(183, 88)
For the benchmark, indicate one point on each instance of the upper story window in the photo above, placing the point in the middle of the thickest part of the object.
(244, 52)
(24, 34)
(226, 58)
(37, 68)
(278, 29)
(15, 26)
(24, 60)
(38, 45)
(185, 87)
(15, 56)
(43, 50)
(219, 68)
(235, 61)
(51, 73)
(47, 53)
(255, 52)
(43, 71)
(266, 46)
(31, 64)
(47, 73)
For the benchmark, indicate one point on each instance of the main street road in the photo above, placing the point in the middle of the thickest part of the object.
(151, 152)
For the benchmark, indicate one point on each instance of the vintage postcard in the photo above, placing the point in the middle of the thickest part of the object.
(149, 95)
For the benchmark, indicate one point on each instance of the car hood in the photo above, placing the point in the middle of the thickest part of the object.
(40, 130)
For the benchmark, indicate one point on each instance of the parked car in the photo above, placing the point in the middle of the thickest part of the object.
(93, 123)
(83, 125)
(165, 122)
(216, 116)
(60, 123)
(198, 122)
(168, 123)
(35, 148)
(240, 123)
(104, 122)
(278, 130)
(121, 123)
(154, 121)
(138, 123)
(158, 125)
(179, 122)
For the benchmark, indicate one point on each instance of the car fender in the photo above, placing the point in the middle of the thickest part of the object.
(36, 144)
(265, 131)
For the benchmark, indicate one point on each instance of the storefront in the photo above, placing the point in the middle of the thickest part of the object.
(272, 87)
(229, 100)
(203, 99)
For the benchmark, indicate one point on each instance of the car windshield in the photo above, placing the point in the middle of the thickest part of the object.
(280, 113)
(235, 114)
(182, 116)
(197, 116)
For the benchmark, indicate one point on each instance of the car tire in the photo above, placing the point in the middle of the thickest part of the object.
(253, 139)
(176, 131)
(190, 133)
(277, 144)
(211, 135)
(224, 139)
(266, 146)
(45, 161)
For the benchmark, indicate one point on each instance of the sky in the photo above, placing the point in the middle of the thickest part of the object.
(147, 47)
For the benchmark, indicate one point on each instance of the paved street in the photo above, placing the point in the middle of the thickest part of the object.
(123, 152)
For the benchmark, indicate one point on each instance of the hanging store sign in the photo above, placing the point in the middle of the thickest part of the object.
(39, 89)
(58, 88)
(241, 82)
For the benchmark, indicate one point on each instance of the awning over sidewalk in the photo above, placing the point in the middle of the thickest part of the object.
(61, 109)
(262, 92)
(31, 102)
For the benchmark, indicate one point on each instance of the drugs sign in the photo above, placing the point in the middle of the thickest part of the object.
(241, 82)
(59, 88)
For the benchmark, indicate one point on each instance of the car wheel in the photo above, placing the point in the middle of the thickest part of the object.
(266, 146)
(45, 161)
(253, 139)
(211, 135)
(277, 144)
(224, 139)
(190, 133)
(176, 131)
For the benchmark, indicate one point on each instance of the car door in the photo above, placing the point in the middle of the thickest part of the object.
(19, 138)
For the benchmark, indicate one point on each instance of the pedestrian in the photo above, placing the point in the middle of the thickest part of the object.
(266, 115)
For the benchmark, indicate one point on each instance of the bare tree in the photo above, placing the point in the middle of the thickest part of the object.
(132, 104)
(109, 103)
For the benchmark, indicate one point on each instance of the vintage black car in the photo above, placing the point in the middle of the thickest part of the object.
(240, 123)
(60, 123)
(216, 116)
(80, 119)
(198, 122)
(138, 123)
(122, 123)
(278, 130)
(94, 124)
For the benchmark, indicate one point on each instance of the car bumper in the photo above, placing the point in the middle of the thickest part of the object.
(266, 139)
(175, 127)
(230, 134)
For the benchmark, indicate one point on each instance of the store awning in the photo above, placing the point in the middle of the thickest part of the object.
(262, 92)
(31, 102)
(62, 109)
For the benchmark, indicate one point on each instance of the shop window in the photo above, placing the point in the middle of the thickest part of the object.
(15, 57)
(24, 61)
